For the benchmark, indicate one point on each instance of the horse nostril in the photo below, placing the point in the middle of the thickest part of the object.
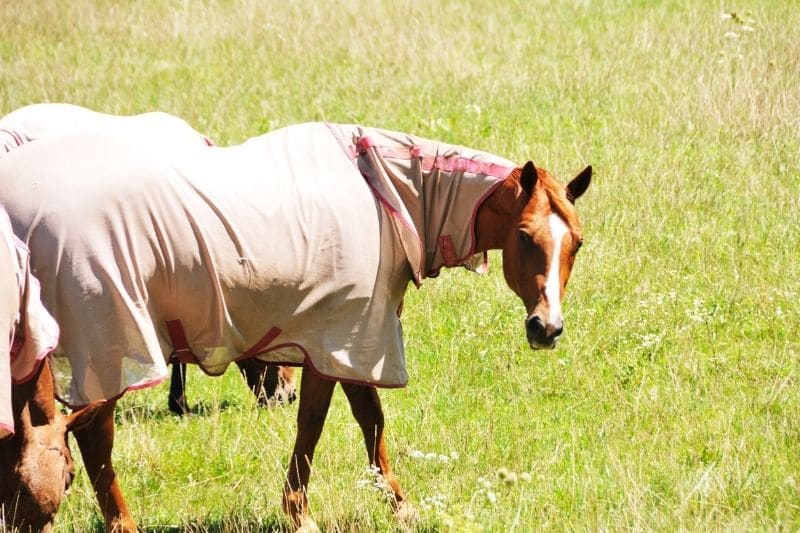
(534, 325)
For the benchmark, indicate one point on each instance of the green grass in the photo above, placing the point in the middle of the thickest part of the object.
(672, 403)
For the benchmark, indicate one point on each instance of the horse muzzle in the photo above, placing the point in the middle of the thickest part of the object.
(542, 336)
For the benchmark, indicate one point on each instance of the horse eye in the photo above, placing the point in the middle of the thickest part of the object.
(524, 237)
(578, 246)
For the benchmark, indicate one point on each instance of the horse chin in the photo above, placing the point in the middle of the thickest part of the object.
(538, 346)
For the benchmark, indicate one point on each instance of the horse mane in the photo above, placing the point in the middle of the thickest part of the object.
(556, 193)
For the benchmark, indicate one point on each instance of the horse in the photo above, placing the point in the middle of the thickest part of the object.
(295, 248)
(35, 462)
(160, 131)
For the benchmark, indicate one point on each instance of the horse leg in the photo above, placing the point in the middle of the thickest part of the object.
(286, 383)
(176, 401)
(95, 440)
(269, 383)
(258, 378)
(315, 399)
(366, 407)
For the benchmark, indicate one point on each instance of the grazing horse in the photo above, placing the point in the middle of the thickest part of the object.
(293, 248)
(35, 461)
(159, 131)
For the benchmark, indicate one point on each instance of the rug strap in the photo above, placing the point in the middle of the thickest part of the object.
(182, 352)
(265, 341)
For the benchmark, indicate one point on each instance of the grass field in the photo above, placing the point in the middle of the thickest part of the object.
(672, 401)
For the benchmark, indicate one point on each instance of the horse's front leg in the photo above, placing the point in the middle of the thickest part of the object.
(96, 440)
(315, 399)
(366, 406)
(176, 401)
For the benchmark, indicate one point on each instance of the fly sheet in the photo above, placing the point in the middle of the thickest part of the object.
(29, 332)
(295, 247)
(40, 121)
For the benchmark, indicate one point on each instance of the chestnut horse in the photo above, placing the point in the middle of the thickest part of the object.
(167, 257)
(159, 131)
(35, 461)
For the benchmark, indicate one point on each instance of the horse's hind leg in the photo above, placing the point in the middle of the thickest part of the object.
(176, 401)
(95, 440)
(315, 399)
(366, 406)
(270, 383)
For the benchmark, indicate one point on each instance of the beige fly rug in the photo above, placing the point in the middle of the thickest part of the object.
(40, 121)
(29, 332)
(295, 247)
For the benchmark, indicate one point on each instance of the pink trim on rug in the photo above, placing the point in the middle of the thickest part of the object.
(18, 342)
(14, 135)
(37, 364)
(448, 164)
(145, 384)
(407, 223)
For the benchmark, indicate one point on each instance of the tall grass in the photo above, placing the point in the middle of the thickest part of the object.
(672, 402)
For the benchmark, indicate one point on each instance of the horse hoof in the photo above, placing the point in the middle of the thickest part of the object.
(406, 513)
(122, 525)
(307, 525)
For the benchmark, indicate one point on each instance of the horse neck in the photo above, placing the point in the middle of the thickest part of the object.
(497, 213)
(33, 401)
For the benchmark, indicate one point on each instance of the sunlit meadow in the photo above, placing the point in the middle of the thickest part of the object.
(672, 401)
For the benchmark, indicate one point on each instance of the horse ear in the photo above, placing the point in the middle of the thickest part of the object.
(83, 417)
(528, 178)
(579, 184)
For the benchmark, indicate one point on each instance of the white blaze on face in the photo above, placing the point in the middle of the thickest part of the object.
(552, 288)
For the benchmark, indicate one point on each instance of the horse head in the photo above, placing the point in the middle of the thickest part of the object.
(36, 466)
(532, 218)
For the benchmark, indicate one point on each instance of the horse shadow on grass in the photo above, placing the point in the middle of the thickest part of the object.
(274, 523)
(221, 525)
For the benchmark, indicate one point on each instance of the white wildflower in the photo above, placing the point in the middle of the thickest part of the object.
(648, 341)
(507, 476)
(434, 502)
(731, 35)
(526, 477)
(416, 454)
(747, 28)
(454, 456)
(503, 472)
(485, 483)
(492, 497)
